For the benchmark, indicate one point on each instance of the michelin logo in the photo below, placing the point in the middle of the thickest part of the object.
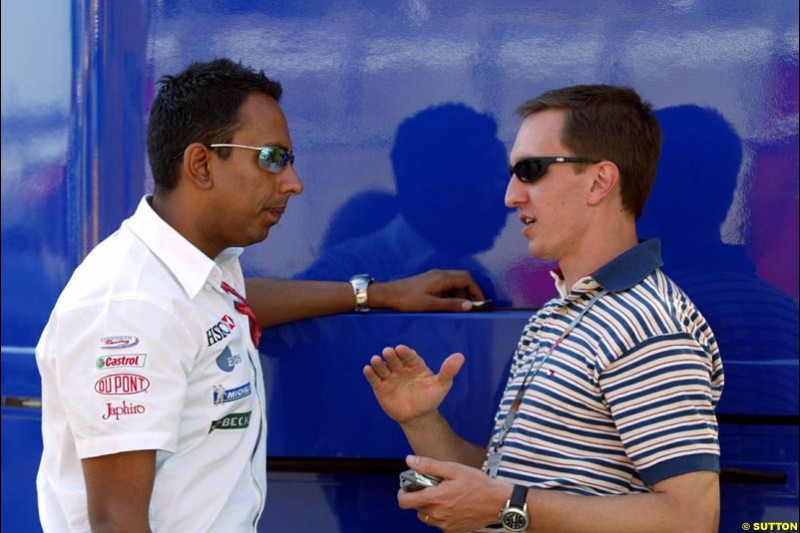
(223, 395)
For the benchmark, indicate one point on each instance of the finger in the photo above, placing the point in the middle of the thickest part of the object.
(392, 360)
(379, 366)
(409, 356)
(371, 376)
(450, 367)
(425, 518)
(426, 465)
(461, 279)
(449, 304)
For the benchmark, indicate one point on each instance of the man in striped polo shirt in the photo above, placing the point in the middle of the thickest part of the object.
(614, 383)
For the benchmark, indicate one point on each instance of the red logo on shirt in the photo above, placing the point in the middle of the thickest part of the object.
(118, 384)
(125, 409)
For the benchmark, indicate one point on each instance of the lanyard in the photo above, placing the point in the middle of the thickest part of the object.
(241, 305)
(532, 372)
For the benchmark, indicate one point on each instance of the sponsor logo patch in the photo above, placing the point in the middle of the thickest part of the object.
(220, 330)
(223, 395)
(119, 384)
(118, 342)
(231, 421)
(227, 360)
(125, 409)
(106, 362)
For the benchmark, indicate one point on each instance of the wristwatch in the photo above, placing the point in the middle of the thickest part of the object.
(360, 282)
(514, 515)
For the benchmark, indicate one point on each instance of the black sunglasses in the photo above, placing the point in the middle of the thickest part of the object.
(531, 169)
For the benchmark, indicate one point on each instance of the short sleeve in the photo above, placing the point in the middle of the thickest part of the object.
(121, 369)
(661, 396)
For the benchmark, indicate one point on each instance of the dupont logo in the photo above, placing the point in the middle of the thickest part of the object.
(223, 395)
(121, 361)
(118, 342)
(126, 409)
(231, 421)
(120, 384)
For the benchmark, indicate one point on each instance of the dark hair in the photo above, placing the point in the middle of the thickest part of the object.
(609, 123)
(201, 104)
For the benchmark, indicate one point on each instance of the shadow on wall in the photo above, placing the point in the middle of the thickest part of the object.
(698, 171)
(450, 172)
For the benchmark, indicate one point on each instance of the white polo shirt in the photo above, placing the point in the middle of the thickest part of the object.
(145, 351)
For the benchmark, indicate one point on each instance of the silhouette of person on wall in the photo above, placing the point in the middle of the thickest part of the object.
(450, 172)
(697, 175)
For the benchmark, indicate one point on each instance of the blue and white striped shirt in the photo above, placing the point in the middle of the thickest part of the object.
(627, 399)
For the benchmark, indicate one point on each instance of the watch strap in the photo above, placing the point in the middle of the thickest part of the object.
(518, 496)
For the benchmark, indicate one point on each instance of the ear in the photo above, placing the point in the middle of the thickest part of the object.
(605, 181)
(196, 168)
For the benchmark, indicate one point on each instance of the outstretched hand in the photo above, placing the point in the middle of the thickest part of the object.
(404, 385)
(434, 290)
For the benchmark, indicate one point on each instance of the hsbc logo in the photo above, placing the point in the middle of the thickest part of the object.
(119, 361)
(120, 384)
(220, 330)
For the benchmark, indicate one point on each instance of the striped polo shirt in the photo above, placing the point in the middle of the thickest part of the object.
(627, 398)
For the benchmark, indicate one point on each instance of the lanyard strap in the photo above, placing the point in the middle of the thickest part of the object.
(532, 372)
(241, 305)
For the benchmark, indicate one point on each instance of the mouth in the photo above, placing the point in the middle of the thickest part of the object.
(527, 220)
(275, 212)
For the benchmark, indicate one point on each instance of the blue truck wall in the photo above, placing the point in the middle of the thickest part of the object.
(402, 114)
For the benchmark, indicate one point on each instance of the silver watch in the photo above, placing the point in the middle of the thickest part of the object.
(360, 283)
(514, 516)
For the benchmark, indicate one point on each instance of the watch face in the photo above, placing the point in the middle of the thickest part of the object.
(515, 520)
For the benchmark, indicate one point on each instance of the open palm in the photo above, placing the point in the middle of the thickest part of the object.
(404, 385)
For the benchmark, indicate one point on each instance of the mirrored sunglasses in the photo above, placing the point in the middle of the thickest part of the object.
(531, 169)
(270, 158)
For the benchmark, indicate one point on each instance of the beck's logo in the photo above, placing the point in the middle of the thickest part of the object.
(119, 384)
(106, 362)
(125, 409)
(231, 421)
(220, 330)
(119, 341)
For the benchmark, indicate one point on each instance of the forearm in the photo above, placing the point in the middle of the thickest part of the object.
(558, 512)
(278, 301)
(431, 435)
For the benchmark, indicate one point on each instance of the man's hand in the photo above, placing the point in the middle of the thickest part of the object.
(435, 290)
(404, 385)
(466, 499)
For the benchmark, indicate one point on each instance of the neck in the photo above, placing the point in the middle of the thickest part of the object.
(179, 213)
(597, 247)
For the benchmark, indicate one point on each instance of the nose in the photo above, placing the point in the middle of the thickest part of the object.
(515, 193)
(290, 183)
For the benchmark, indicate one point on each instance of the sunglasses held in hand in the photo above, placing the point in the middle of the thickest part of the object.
(531, 169)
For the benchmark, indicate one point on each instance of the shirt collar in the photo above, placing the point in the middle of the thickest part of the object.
(622, 272)
(191, 267)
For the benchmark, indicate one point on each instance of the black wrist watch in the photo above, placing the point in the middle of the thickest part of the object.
(514, 515)
(360, 282)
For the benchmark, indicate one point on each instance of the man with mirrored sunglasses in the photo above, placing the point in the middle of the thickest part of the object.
(607, 420)
(153, 412)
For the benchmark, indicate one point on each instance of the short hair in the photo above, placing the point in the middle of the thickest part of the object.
(200, 104)
(606, 122)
